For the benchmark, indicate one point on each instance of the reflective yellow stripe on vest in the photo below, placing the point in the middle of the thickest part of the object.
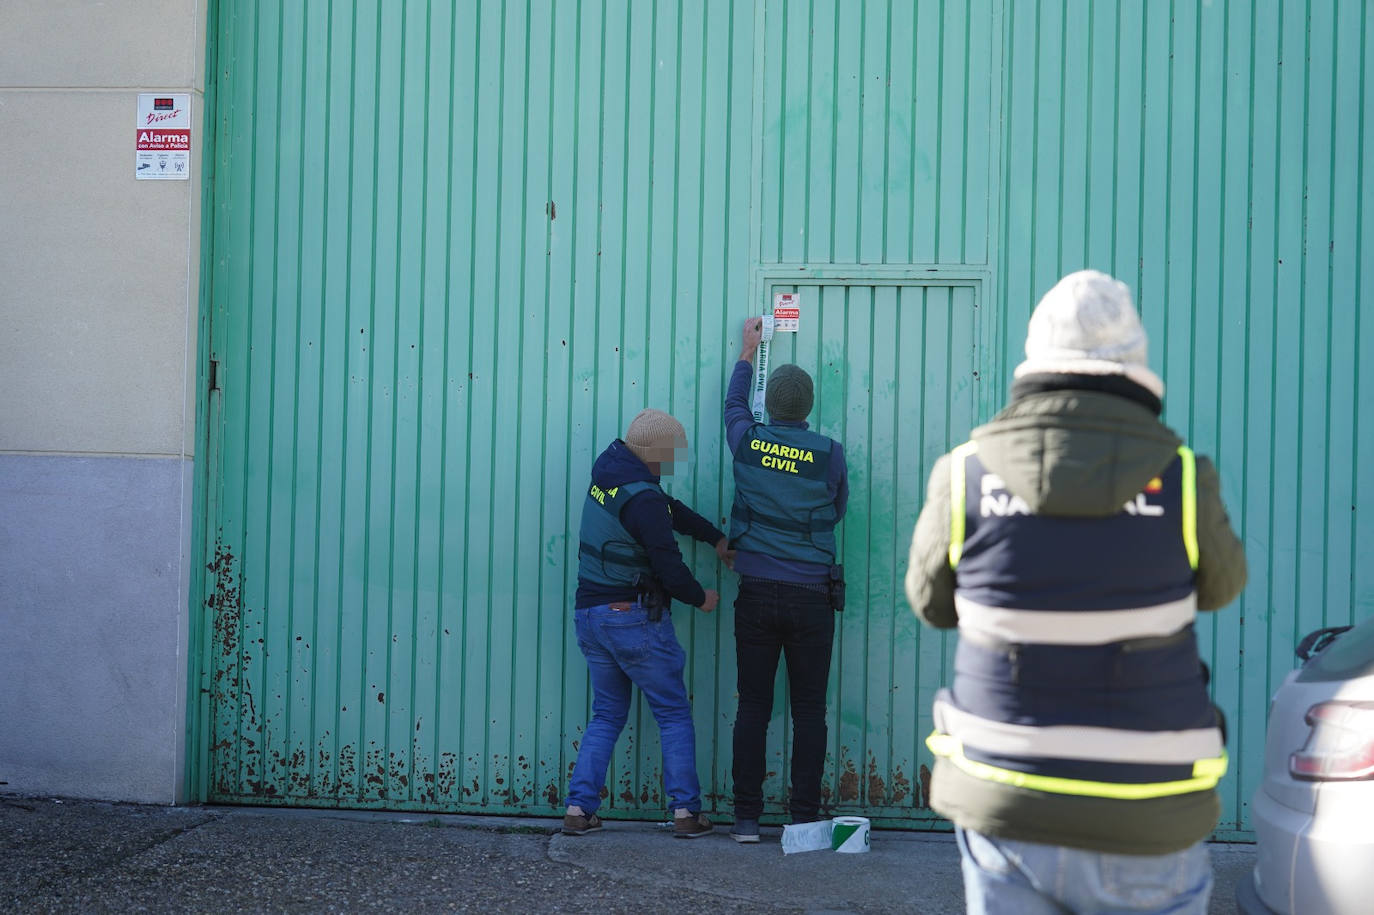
(1206, 774)
(1189, 503)
(958, 500)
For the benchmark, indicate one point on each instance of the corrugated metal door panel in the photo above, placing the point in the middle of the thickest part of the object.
(879, 132)
(1213, 158)
(456, 248)
(897, 370)
(694, 72)
(392, 275)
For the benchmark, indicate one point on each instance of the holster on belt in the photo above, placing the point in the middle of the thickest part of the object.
(837, 588)
(652, 596)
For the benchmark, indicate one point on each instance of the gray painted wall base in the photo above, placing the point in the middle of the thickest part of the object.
(94, 573)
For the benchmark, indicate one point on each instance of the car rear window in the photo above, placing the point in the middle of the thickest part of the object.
(1350, 655)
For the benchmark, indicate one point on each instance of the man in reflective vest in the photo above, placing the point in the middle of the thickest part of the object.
(1072, 541)
(791, 488)
(629, 570)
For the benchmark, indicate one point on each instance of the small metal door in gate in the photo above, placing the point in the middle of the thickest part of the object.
(897, 365)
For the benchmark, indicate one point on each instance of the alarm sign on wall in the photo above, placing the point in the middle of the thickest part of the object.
(162, 138)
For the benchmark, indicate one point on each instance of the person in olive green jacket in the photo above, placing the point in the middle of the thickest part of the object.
(1072, 541)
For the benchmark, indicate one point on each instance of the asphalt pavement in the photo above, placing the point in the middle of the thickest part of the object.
(64, 855)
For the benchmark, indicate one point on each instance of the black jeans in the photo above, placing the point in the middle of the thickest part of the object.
(772, 618)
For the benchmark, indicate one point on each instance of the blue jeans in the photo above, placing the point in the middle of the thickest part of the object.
(1027, 878)
(624, 649)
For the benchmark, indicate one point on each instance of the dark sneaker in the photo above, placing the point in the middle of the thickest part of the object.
(692, 826)
(745, 831)
(580, 826)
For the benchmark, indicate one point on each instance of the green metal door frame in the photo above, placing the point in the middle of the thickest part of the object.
(206, 460)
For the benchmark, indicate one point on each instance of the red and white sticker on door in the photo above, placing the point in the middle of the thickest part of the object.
(786, 312)
(162, 137)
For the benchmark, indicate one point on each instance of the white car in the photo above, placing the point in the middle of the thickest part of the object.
(1314, 811)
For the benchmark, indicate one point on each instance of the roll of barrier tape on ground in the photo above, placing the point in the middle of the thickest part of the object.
(761, 370)
(799, 837)
(849, 835)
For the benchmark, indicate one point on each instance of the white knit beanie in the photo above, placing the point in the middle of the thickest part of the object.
(1087, 325)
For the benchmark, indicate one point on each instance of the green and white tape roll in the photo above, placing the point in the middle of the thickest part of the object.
(849, 835)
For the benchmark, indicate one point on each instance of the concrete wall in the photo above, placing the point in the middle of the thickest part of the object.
(97, 364)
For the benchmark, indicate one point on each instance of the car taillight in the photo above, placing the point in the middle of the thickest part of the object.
(1340, 744)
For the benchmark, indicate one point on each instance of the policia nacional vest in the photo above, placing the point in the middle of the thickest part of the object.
(783, 506)
(607, 555)
(1077, 669)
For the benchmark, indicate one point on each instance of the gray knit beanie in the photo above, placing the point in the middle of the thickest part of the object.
(653, 435)
(1087, 325)
(790, 394)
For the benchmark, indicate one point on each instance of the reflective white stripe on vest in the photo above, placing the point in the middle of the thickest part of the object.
(1068, 742)
(1077, 627)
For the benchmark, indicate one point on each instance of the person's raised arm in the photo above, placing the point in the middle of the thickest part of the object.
(738, 415)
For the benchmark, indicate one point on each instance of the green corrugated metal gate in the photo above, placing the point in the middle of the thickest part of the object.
(452, 247)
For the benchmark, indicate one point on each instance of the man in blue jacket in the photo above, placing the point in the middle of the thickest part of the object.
(791, 489)
(629, 570)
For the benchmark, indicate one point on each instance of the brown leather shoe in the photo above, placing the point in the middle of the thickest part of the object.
(580, 825)
(692, 826)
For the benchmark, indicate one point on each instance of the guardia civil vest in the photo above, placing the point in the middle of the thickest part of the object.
(607, 555)
(1077, 669)
(783, 505)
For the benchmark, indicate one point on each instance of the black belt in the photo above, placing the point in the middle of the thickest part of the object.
(820, 587)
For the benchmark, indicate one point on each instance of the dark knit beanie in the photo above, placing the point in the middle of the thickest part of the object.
(653, 431)
(790, 393)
